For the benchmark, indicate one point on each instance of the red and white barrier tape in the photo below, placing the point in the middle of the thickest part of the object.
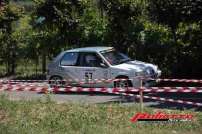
(83, 81)
(69, 80)
(181, 80)
(163, 99)
(173, 89)
(103, 90)
(76, 81)
(80, 89)
(173, 100)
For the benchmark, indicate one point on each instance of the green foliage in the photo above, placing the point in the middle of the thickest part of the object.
(92, 25)
(123, 27)
(189, 50)
(9, 14)
(63, 16)
(156, 46)
(167, 11)
(173, 12)
(165, 32)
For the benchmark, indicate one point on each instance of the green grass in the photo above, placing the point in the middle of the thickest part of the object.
(44, 117)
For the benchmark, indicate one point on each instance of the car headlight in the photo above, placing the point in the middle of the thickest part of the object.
(141, 73)
(159, 73)
(149, 71)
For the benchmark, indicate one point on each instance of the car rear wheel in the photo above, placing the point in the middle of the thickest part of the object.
(56, 81)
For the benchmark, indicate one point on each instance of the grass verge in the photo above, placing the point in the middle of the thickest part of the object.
(44, 117)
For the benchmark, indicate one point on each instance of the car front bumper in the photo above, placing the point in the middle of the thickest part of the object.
(149, 83)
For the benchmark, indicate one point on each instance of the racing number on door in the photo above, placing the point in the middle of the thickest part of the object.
(88, 76)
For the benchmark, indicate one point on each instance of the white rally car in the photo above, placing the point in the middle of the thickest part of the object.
(85, 66)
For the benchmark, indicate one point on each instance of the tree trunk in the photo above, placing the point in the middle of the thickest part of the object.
(174, 35)
(13, 65)
(13, 58)
(43, 62)
(8, 66)
(36, 64)
(101, 8)
(8, 62)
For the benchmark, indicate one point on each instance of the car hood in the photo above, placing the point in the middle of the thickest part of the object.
(137, 66)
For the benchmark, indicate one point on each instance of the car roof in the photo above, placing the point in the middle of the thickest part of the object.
(90, 49)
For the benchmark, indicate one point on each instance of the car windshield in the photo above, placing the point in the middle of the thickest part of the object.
(115, 57)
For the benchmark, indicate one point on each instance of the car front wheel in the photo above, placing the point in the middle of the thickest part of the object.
(122, 83)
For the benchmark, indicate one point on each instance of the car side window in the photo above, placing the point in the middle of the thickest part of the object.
(69, 59)
(90, 60)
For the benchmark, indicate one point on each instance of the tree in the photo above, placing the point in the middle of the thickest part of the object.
(9, 14)
(172, 12)
(58, 23)
(167, 12)
(123, 23)
(192, 10)
(184, 18)
(92, 25)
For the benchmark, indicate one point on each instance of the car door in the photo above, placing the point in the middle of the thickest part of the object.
(67, 67)
(90, 70)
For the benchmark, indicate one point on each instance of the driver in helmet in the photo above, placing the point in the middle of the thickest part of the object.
(91, 61)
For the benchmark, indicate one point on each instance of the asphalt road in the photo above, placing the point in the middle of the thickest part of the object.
(62, 97)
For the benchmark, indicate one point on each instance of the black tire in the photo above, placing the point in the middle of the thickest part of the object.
(123, 83)
(56, 81)
(128, 83)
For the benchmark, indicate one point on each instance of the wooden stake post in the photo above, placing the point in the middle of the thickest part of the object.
(141, 95)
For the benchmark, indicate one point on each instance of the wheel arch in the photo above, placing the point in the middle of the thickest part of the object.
(55, 76)
(123, 77)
